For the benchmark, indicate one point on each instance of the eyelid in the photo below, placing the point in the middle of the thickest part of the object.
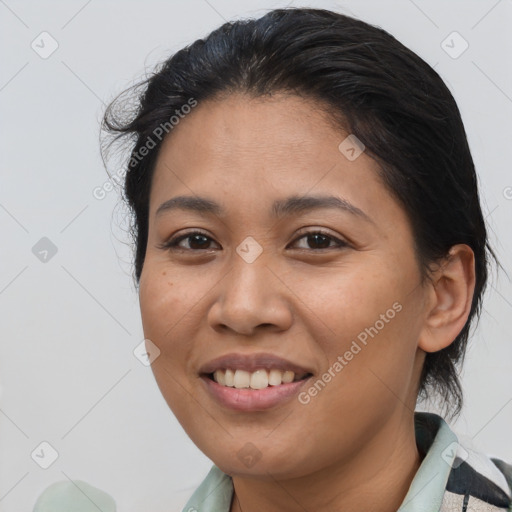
(340, 242)
(173, 241)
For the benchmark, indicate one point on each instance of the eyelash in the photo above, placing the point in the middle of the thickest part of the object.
(172, 244)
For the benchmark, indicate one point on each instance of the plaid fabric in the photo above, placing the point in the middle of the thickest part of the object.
(468, 490)
(475, 482)
(453, 477)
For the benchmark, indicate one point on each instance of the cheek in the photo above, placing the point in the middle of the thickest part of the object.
(366, 325)
(154, 294)
(162, 305)
(165, 298)
(348, 300)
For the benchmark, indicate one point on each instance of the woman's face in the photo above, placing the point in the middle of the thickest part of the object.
(262, 288)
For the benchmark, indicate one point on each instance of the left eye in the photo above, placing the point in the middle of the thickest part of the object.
(322, 239)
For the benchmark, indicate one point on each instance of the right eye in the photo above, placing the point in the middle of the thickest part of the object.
(195, 238)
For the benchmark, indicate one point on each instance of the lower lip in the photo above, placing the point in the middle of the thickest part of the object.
(253, 399)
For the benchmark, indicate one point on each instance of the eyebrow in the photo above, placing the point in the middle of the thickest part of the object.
(280, 208)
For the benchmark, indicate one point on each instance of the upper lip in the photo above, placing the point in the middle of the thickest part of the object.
(251, 363)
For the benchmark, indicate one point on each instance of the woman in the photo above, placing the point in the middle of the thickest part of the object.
(310, 256)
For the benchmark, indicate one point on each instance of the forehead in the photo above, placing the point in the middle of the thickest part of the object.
(252, 151)
(238, 126)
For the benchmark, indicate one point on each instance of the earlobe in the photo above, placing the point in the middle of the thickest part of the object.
(451, 292)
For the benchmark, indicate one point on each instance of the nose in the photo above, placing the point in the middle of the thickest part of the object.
(251, 297)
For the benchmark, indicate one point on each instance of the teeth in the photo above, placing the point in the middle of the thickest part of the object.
(219, 377)
(288, 376)
(229, 378)
(258, 379)
(242, 379)
(275, 377)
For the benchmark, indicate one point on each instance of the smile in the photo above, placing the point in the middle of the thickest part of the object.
(259, 379)
(253, 382)
(248, 398)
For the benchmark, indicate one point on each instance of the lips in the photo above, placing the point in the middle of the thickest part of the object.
(252, 400)
(246, 396)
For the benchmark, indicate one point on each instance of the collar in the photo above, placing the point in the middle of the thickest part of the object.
(433, 437)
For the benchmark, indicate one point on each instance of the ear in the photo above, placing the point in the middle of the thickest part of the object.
(450, 294)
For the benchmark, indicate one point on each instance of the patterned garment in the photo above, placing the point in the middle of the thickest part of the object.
(476, 483)
(452, 477)
(468, 490)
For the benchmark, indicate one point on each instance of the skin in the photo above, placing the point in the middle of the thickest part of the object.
(352, 447)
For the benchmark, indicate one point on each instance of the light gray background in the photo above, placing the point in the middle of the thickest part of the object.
(69, 326)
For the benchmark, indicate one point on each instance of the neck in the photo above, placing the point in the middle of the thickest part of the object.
(378, 478)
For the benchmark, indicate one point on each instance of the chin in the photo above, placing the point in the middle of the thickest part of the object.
(260, 464)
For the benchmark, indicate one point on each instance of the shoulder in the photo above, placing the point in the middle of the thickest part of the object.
(75, 495)
(214, 494)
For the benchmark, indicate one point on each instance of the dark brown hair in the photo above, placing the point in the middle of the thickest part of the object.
(372, 86)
